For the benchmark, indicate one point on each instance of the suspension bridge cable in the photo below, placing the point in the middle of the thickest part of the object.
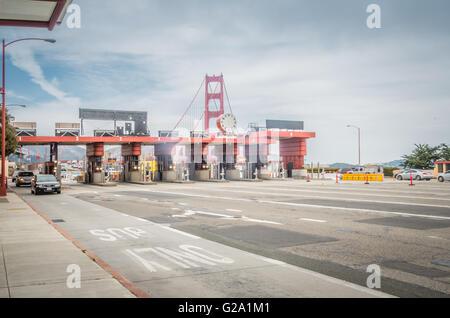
(185, 112)
(226, 93)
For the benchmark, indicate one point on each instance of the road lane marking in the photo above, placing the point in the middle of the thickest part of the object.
(186, 256)
(192, 212)
(273, 261)
(177, 231)
(301, 205)
(353, 193)
(313, 220)
(233, 210)
(355, 209)
(338, 199)
(346, 189)
(339, 282)
(258, 221)
(225, 216)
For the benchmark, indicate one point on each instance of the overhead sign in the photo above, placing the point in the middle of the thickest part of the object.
(138, 117)
(284, 124)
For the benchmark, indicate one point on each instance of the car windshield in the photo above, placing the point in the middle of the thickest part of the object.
(25, 174)
(46, 178)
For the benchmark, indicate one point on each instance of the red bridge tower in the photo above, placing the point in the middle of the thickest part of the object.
(212, 95)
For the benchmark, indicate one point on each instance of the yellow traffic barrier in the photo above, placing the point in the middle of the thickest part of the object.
(379, 177)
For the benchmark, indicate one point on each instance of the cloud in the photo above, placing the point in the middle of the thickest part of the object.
(24, 59)
(13, 94)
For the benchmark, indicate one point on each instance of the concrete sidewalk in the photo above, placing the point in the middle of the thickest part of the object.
(34, 258)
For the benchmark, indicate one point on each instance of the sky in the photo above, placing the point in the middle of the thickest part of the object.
(315, 61)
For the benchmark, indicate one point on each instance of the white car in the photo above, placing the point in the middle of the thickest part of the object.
(444, 176)
(417, 174)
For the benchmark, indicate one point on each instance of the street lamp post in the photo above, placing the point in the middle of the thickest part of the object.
(359, 144)
(3, 92)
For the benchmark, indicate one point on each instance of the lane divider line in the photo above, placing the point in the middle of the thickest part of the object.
(115, 274)
(303, 205)
(313, 220)
(336, 199)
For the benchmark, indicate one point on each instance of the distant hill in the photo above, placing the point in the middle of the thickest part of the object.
(393, 163)
(40, 153)
(340, 165)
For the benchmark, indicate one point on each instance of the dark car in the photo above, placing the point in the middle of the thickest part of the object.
(345, 170)
(23, 178)
(45, 183)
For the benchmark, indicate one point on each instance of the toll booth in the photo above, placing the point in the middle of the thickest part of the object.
(94, 154)
(50, 167)
(224, 166)
(199, 168)
(293, 150)
(230, 152)
(166, 167)
(131, 153)
(255, 159)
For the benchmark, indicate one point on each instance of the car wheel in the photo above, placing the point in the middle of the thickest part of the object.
(418, 178)
(17, 185)
(59, 191)
(441, 179)
(399, 178)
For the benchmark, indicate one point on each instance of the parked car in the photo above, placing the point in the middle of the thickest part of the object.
(350, 170)
(345, 170)
(45, 183)
(417, 174)
(444, 176)
(23, 178)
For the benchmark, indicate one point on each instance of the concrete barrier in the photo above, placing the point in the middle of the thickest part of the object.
(299, 174)
(201, 175)
(232, 174)
(169, 176)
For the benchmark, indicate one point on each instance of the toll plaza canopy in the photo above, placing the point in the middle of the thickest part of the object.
(146, 140)
(33, 13)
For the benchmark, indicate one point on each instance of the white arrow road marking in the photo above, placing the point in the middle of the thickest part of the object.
(313, 220)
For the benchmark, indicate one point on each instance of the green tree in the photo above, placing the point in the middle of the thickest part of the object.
(423, 157)
(11, 140)
(444, 152)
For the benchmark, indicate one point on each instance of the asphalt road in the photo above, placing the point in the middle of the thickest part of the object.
(269, 239)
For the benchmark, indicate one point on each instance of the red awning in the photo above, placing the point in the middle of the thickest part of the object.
(32, 13)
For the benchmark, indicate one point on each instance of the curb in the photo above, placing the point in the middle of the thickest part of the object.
(115, 274)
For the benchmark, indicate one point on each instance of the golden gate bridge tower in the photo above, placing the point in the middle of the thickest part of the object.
(212, 96)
